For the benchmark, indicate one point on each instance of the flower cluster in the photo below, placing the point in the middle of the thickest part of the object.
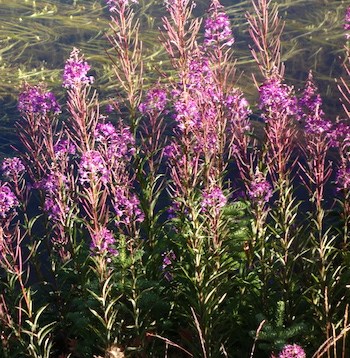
(276, 97)
(92, 168)
(260, 190)
(12, 167)
(310, 100)
(118, 142)
(126, 207)
(76, 70)
(103, 242)
(168, 258)
(213, 199)
(51, 184)
(310, 109)
(63, 148)
(238, 107)
(8, 200)
(343, 178)
(292, 351)
(217, 30)
(155, 102)
(36, 100)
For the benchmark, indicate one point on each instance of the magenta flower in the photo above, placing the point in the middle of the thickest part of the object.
(116, 143)
(92, 167)
(168, 258)
(260, 190)
(76, 70)
(103, 242)
(347, 23)
(63, 148)
(238, 108)
(12, 167)
(310, 99)
(292, 351)
(36, 100)
(126, 207)
(53, 209)
(156, 101)
(217, 28)
(8, 200)
(343, 178)
(213, 199)
(277, 97)
(310, 105)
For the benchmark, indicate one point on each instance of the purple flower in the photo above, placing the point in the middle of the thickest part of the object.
(278, 98)
(217, 28)
(213, 199)
(310, 106)
(238, 108)
(260, 190)
(173, 210)
(53, 209)
(75, 71)
(117, 142)
(8, 200)
(63, 147)
(36, 100)
(109, 108)
(155, 102)
(168, 258)
(92, 167)
(310, 100)
(12, 167)
(103, 242)
(343, 178)
(292, 351)
(126, 207)
(347, 23)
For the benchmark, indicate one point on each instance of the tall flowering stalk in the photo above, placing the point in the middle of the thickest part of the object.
(317, 171)
(59, 190)
(83, 108)
(150, 172)
(197, 159)
(127, 63)
(218, 39)
(278, 105)
(39, 110)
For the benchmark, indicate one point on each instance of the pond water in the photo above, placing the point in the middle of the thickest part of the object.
(37, 36)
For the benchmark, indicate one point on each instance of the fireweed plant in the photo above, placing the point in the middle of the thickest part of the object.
(163, 226)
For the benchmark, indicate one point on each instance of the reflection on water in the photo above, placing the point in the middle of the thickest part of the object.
(37, 36)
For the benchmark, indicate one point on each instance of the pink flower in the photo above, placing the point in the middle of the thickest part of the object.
(213, 199)
(103, 242)
(36, 100)
(292, 351)
(12, 167)
(260, 190)
(217, 29)
(75, 71)
(8, 200)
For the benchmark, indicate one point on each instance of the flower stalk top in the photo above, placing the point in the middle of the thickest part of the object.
(76, 71)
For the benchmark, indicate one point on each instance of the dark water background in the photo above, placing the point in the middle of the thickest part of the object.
(36, 37)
